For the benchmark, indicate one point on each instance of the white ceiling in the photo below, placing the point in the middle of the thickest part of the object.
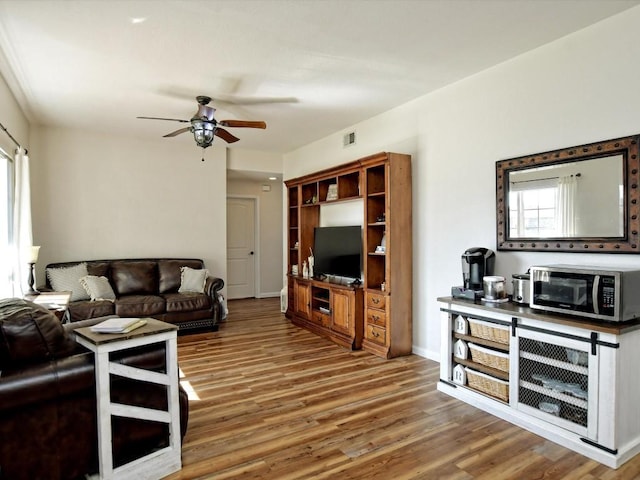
(86, 64)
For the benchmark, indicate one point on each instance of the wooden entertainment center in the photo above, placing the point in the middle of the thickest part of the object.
(375, 315)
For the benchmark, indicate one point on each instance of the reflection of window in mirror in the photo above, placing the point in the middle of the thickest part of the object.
(532, 209)
(543, 207)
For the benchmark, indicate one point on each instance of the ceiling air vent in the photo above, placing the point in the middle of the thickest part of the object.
(349, 139)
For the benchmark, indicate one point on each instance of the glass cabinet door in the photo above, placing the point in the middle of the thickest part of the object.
(558, 381)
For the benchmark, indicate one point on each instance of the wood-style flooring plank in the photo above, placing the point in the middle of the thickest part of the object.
(272, 401)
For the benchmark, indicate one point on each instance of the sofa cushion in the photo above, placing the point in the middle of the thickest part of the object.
(139, 306)
(170, 274)
(193, 280)
(99, 269)
(134, 278)
(186, 302)
(90, 309)
(30, 333)
(68, 279)
(98, 288)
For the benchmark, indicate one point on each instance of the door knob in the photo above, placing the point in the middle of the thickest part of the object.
(251, 252)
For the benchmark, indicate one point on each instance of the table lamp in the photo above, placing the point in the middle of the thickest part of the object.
(32, 262)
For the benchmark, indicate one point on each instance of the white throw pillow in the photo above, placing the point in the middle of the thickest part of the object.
(98, 288)
(192, 280)
(67, 279)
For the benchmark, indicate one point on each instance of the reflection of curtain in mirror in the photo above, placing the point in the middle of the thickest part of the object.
(520, 231)
(565, 206)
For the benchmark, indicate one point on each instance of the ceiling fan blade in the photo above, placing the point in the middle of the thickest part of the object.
(226, 136)
(226, 90)
(239, 100)
(243, 123)
(171, 119)
(177, 132)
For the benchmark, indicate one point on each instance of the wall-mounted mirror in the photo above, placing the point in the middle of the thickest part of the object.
(577, 199)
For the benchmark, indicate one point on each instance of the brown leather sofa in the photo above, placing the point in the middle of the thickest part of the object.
(48, 401)
(148, 287)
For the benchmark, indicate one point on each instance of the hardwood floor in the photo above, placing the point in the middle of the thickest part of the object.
(277, 402)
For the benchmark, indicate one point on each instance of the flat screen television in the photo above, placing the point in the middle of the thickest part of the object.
(338, 251)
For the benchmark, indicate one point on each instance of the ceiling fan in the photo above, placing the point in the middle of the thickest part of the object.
(204, 127)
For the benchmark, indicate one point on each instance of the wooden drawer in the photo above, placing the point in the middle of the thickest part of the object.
(321, 318)
(376, 334)
(375, 300)
(377, 317)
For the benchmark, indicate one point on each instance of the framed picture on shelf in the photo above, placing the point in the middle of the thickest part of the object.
(332, 192)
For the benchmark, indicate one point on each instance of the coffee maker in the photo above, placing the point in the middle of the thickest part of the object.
(477, 262)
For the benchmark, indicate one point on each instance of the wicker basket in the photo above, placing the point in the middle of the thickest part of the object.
(489, 331)
(488, 357)
(487, 384)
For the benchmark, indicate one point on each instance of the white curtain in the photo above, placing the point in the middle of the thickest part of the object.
(565, 206)
(21, 238)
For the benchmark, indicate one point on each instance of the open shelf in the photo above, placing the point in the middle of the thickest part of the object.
(582, 370)
(548, 392)
(494, 372)
(345, 186)
(293, 196)
(481, 341)
(349, 185)
(376, 184)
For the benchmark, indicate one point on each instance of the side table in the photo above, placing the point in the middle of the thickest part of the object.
(57, 302)
(158, 463)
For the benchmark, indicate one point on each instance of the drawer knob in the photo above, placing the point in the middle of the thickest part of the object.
(376, 300)
(375, 334)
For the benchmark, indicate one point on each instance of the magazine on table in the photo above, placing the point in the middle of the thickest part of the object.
(118, 325)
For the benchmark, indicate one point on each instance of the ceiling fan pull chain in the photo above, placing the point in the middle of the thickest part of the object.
(203, 154)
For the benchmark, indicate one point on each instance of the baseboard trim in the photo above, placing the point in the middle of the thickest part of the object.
(269, 295)
(425, 353)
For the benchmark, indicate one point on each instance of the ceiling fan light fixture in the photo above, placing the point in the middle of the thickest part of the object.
(203, 132)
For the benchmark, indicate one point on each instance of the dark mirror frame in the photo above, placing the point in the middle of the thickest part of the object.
(629, 243)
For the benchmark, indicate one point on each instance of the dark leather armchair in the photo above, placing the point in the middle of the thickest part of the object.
(48, 426)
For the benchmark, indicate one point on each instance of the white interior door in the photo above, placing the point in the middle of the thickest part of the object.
(241, 247)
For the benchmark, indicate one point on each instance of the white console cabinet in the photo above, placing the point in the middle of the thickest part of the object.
(571, 381)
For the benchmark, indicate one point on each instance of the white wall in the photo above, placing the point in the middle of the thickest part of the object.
(101, 196)
(342, 214)
(579, 89)
(254, 161)
(270, 233)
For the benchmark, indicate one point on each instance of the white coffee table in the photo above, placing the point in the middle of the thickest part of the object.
(158, 463)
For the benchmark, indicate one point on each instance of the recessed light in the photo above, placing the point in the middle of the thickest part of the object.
(137, 20)
(273, 178)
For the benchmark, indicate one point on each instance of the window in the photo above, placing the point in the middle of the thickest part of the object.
(6, 195)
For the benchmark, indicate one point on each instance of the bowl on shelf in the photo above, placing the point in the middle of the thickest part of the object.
(548, 407)
(577, 357)
(539, 377)
(549, 383)
(577, 392)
